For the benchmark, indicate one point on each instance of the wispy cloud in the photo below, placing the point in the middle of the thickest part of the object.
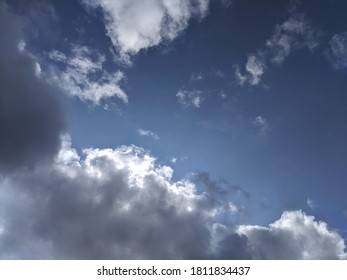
(293, 34)
(190, 98)
(148, 133)
(196, 77)
(338, 50)
(261, 123)
(84, 76)
(310, 203)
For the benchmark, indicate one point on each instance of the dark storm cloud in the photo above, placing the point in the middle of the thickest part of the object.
(30, 114)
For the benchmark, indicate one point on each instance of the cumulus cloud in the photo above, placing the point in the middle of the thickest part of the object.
(31, 118)
(137, 25)
(294, 236)
(338, 50)
(190, 98)
(121, 204)
(148, 133)
(82, 75)
(110, 203)
(293, 34)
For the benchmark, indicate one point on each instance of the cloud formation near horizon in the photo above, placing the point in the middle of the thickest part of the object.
(121, 204)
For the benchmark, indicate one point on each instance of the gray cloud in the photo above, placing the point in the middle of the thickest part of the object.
(120, 204)
(113, 204)
(294, 236)
(31, 118)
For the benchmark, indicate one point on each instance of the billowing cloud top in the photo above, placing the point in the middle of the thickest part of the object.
(120, 204)
(137, 25)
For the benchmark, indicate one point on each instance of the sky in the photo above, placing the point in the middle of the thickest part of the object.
(173, 129)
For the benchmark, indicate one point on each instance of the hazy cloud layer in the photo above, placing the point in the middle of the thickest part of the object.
(137, 25)
(31, 118)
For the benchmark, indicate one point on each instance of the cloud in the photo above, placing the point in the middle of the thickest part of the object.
(138, 25)
(82, 75)
(148, 133)
(31, 118)
(311, 203)
(121, 204)
(261, 123)
(190, 98)
(109, 204)
(293, 34)
(196, 77)
(338, 50)
(255, 67)
(294, 236)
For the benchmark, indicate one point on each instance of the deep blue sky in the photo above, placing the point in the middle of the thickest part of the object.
(269, 82)
(303, 154)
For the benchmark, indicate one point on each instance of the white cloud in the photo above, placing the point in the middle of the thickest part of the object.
(261, 123)
(254, 70)
(338, 50)
(196, 77)
(190, 98)
(121, 204)
(294, 236)
(293, 34)
(311, 203)
(83, 75)
(136, 25)
(173, 160)
(255, 67)
(241, 79)
(148, 133)
(108, 203)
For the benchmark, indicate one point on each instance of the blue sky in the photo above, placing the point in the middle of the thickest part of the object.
(242, 102)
